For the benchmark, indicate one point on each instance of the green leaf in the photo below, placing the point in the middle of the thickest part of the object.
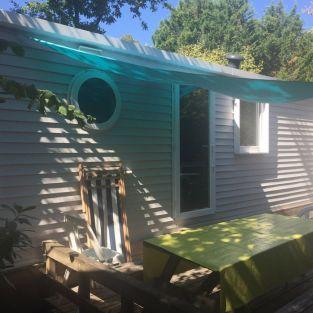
(71, 107)
(81, 122)
(52, 101)
(91, 119)
(70, 115)
(78, 113)
(62, 110)
(42, 106)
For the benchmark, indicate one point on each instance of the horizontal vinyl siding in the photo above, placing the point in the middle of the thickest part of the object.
(39, 155)
(248, 184)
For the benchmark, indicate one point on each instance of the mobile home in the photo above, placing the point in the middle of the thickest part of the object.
(194, 154)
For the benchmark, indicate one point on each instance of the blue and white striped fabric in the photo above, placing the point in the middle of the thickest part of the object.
(104, 208)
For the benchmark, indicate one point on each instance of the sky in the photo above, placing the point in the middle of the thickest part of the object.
(127, 25)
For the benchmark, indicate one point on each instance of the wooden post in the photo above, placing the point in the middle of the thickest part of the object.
(82, 186)
(53, 268)
(83, 290)
(168, 270)
(122, 194)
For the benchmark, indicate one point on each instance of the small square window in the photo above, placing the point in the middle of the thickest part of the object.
(251, 127)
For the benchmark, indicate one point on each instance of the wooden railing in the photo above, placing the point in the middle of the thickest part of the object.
(130, 289)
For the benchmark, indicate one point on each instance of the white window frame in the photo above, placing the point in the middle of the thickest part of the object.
(177, 214)
(77, 82)
(262, 130)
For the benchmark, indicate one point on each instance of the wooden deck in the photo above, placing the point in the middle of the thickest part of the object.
(296, 297)
(124, 289)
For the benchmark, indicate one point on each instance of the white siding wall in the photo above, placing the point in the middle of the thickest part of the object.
(246, 184)
(39, 155)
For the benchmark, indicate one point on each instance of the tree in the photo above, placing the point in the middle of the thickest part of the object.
(229, 25)
(278, 32)
(199, 51)
(218, 56)
(86, 14)
(130, 38)
(309, 9)
(299, 67)
(223, 24)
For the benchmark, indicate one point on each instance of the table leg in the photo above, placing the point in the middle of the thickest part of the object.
(211, 282)
(168, 270)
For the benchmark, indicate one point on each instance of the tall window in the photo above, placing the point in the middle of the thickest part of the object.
(251, 127)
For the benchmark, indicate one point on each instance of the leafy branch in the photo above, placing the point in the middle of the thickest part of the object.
(88, 15)
(43, 100)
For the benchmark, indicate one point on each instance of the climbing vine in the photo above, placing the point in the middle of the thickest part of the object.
(42, 100)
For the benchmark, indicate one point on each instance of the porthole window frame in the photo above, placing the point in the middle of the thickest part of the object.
(79, 79)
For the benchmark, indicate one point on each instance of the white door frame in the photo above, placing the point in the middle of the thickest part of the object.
(176, 157)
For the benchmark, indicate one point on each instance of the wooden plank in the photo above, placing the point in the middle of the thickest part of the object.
(299, 304)
(71, 295)
(126, 239)
(308, 309)
(83, 290)
(82, 188)
(282, 295)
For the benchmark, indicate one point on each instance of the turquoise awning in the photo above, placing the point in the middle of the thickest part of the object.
(261, 90)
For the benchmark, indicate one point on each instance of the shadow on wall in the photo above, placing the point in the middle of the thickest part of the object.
(239, 177)
(39, 157)
(282, 179)
(293, 185)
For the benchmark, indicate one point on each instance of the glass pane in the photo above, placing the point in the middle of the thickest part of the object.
(248, 123)
(96, 98)
(194, 150)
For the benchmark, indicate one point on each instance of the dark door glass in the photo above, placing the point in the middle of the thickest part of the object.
(194, 150)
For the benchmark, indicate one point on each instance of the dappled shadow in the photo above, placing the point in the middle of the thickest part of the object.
(39, 155)
(292, 187)
(253, 255)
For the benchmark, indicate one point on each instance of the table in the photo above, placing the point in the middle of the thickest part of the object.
(252, 255)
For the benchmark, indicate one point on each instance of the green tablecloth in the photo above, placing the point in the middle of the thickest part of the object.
(252, 254)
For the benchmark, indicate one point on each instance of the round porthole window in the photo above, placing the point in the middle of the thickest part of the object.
(96, 94)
